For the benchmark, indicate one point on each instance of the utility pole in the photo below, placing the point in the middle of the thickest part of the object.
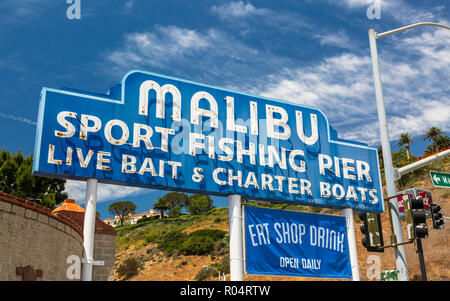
(400, 255)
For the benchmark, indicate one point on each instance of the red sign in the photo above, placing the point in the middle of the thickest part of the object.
(401, 205)
(427, 201)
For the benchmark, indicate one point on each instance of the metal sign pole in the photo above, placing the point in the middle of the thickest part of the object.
(400, 254)
(236, 242)
(421, 260)
(89, 229)
(348, 214)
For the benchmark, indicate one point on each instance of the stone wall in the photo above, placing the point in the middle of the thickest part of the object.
(30, 235)
(104, 245)
(104, 250)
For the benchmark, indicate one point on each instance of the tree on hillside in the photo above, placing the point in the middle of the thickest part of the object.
(122, 209)
(433, 134)
(16, 178)
(442, 143)
(199, 204)
(176, 199)
(161, 204)
(405, 140)
(175, 211)
(398, 157)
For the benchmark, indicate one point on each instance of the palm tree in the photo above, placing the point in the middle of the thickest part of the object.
(442, 142)
(405, 140)
(433, 134)
(429, 150)
(162, 204)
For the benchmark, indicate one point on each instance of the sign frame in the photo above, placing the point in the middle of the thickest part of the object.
(118, 96)
(346, 245)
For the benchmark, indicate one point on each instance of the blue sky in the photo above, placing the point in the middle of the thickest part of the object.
(312, 52)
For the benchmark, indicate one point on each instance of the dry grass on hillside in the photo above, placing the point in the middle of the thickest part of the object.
(158, 267)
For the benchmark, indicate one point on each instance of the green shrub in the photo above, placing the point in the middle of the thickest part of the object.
(197, 245)
(148, 218)
(171, 241)
(214, 234)
(224, 265)
(129, 267)
(221, 247)
(201, 242)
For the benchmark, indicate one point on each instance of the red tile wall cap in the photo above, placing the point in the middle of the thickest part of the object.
(15, 200)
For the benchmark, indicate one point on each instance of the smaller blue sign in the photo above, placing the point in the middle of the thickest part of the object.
(287, 243)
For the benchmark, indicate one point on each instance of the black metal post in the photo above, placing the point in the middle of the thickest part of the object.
(421, 260)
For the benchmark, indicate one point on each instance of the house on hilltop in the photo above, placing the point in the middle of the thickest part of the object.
(133, 218)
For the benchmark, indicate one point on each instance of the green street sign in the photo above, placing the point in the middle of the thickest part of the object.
(440, 179)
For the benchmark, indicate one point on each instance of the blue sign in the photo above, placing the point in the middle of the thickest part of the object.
(165, 133)
(287, 243)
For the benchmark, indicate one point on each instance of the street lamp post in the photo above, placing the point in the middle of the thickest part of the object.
(387, 155)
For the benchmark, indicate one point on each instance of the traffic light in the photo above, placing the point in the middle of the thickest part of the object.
(419, 218)
(436, 216)
(408, 216)
(371, 228)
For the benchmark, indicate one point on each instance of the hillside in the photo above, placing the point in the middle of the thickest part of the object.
(140, 243)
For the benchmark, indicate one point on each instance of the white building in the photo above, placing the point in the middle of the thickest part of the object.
(132, 218)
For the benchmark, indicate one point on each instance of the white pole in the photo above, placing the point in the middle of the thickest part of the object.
(236, 243)
(388, 33)
(400, 254)
(348, 213)
(89, 229)
(413, 166)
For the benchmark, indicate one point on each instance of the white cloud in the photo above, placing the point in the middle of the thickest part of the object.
(105, 192)
(18, 11)
(158, 48)
(248, 18)
(13, 62)
(17, 118)
(339, 39)
(128, 6)
(211, 56)
(237, 10)
(400, 10)
(415, 90)
(356, 3)
(338, 86)
(363, 3)
(413, 67)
